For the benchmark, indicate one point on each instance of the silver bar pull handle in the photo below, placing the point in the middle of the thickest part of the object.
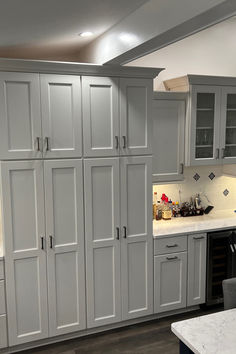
(223, 153)
(217, 154)
(124, 141)
(38, 143)
(170, 246)
(42, 243)
(117, 142)
(51, 241)
(47, 143)
(171, 258)
(198, 237)
(181, 168)
(125, 231)
(117, 233)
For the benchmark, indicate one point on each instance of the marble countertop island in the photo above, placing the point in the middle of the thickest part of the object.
(209, 334)
(213, 221)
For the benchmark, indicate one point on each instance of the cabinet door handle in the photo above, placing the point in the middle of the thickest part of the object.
(117, 233)
(198, 238)
(171, 258)
(42, 243)
(181, 168)
(51, 241)
(125, 231)
(47, 143)
(217, 154)
(223, 153)
(169, 246)
(117, 142)
(38, 143)
(124, 141)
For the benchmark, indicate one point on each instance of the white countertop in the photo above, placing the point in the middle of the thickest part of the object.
(209, 334)
(215, 220)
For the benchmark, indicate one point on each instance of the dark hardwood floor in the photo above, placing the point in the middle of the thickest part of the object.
(145, 338)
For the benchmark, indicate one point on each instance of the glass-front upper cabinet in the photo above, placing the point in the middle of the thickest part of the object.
(205, 125)
(228, 125)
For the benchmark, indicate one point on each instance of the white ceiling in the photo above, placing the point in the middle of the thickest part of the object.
(208, 52)
(50, 26)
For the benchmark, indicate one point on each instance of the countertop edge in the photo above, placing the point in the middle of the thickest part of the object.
(189, 345)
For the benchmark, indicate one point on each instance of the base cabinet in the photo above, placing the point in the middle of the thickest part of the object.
(196, 269)
(170, 275)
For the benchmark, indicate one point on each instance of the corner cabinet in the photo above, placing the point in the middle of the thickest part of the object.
(211, 118)
(42, 300)
(168, 136)
(119, 243)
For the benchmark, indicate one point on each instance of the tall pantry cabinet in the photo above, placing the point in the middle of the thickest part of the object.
(76, 190)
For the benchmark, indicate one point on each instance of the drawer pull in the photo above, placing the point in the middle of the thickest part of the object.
(199, 237)
(171, 258)
(117, 233)
(170, 246)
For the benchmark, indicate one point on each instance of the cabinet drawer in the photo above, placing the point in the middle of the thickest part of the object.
(170, 245)
(2, 298)
(3, 331)
(1, 270)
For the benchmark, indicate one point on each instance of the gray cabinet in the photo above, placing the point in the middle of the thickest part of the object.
(100, 116)
(203, 128)
(136, 116)
(170, 282)
(196, 269)
(168, 136)
(40, 116)
(116, 116)
(119, 248)
(211, 118)
(44, 242)
(61, 116)
(20, 119)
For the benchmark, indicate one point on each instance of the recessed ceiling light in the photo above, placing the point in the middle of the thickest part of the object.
(86, 34)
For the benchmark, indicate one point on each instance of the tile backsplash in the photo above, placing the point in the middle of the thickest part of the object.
(214, 188)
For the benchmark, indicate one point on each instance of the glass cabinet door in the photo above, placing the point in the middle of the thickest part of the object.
(205, 125)
(228, 125)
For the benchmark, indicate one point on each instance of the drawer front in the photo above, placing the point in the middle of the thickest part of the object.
(170, 245)
(1, 270)
(3, 331)
(2, 298)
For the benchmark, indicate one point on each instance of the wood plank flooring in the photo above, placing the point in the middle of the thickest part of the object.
(145, 338)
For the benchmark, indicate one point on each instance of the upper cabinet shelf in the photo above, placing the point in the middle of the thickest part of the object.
(211, 118)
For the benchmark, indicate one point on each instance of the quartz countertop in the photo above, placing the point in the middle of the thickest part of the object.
(215, 220)
(209, 334)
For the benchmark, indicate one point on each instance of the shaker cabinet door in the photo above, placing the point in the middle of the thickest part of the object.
(61, 116)
(100, 116)
(102, 222)
(20, 116)
(196, 269)
(136, 237)
(170, 276)
(65, 252)
(25, 260)
(168, 140)
(136, 116)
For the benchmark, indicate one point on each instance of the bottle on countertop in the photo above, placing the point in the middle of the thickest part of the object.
(166, 212)
(159, 210)
(154, 205)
